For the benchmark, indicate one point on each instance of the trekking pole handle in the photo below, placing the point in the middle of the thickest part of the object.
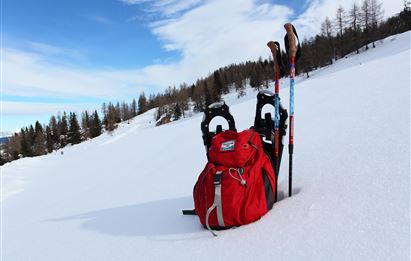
(274, 51)
(291, 39)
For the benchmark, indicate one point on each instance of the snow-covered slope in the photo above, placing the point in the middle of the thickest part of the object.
(120, 197)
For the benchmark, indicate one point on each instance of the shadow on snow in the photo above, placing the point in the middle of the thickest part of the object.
(155, 218)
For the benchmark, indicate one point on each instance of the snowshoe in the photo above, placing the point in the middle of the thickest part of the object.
(265, 127)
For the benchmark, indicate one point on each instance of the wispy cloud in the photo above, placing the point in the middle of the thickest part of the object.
(53, 51)
(45, 48)
(165, 7)
(100, 19)
(175, 6)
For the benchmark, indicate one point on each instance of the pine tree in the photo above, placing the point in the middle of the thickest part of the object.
(95, 126)
(208, 98)
(49, 140)
(256, 76)
(62, 130)
(218, 84)
(177, 112)
(85, 124)
(305, 62)
(142, 103)
(39, 147)
(117, 112)
(134, 108)
(31, 136)
(104, 110)
(240, 87)
(26, 150)
(54, 131)
(74, 136)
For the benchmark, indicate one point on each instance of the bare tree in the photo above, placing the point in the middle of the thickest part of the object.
(354, 18)
(340, 20)
(326, 28)
(365, 20)
(376, 15)
(365, 14)
(340, 24)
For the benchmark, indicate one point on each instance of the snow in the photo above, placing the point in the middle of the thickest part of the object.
(120, 196)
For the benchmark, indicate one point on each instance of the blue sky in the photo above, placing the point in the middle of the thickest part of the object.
(73, 55)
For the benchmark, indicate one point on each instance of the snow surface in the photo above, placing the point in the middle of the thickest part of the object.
(120, 196)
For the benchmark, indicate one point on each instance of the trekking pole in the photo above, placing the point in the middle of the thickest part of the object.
(292, 51)
(275, 50)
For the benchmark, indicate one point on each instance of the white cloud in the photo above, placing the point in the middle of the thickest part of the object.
(219, 33)
(31, 74)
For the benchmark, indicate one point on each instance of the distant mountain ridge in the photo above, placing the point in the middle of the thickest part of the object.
(4, 136)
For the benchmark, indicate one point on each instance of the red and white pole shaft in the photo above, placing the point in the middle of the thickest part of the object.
(276, 52)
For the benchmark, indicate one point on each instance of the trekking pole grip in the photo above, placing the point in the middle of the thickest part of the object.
(274, 52)
(291, 39)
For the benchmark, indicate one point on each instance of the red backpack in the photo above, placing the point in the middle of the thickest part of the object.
(237, 185)
(239, 182)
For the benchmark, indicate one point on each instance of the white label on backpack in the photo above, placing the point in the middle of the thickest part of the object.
(228, 145)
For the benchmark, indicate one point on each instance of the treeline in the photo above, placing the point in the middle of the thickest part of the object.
(41, 139)
(175, 102)
(67, 129)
